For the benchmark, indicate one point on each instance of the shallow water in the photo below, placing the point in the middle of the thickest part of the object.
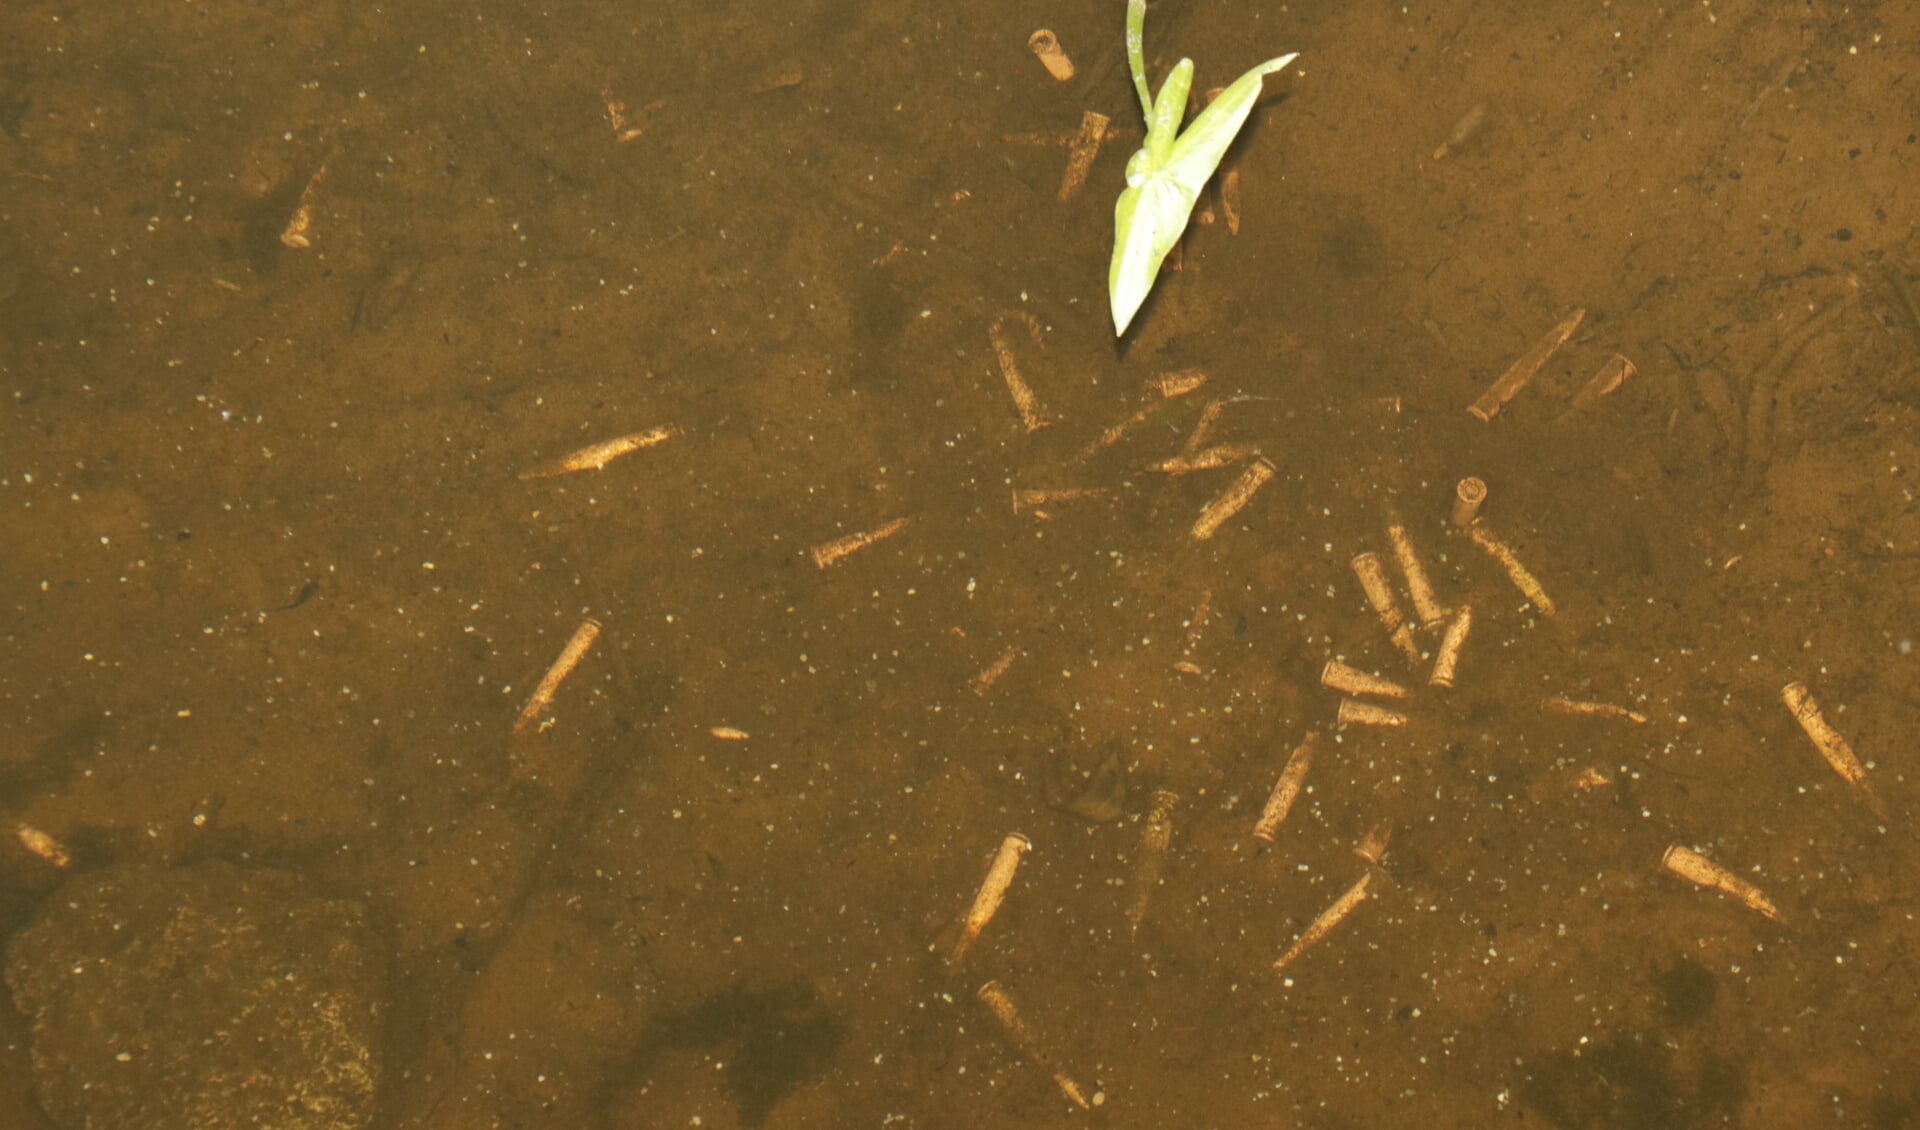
(276, 589)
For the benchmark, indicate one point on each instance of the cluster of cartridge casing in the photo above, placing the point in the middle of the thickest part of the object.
(1608, 379)
(1429, 612)
(1364, 693)
(593, 457)
(986, 903)
(1372, 574)
(1280, 802)
(1197, 454)
(1367, 698)
(1350, 682)
(1410, 611)
(1696, 868)
(1163, 389)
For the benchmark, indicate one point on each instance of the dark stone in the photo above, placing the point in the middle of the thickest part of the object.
(1631, 1079)
(1687, 991)
(775, 1037)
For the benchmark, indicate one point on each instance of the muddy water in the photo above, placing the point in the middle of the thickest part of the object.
(276, 592)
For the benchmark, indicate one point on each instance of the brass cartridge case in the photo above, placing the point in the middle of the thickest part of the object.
(993, 891)
(1833, 748)
(1286, 790)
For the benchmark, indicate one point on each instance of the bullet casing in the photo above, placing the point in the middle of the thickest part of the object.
(1046, 47)
(1030, 498)
(1522, 578)
(1233, 500)
(43, 845)
(1007, 1013)
(1033, 417)
(1206, 459)
(1081, 153)
(1426, 605)
(828, 552)
(595, 456)
(1154, 841)
(984, 681)
(1698, 869)
(1561, 704)
(1469, 494)
(1373, 846)
(1329, 918)
(1372, 574)
(1446, 658)
(1287, 789)
(1353, 712)
(1340, 677)
(570, 656)
(1523, 370)
(1179, 382)
(1833, 748)
(1611, 376)
(993, 891)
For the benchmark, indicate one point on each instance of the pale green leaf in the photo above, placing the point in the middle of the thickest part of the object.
(1165, 177)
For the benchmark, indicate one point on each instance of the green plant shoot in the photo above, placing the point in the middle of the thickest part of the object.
(1165, 177)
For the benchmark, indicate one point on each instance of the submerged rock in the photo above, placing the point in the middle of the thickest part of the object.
(1091, 786)
(213, 996)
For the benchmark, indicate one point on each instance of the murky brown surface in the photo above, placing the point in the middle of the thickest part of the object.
(274, 591)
